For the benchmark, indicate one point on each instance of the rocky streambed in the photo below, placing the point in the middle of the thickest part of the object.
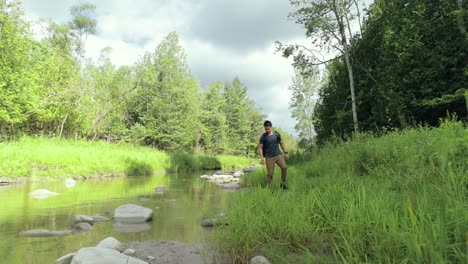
(134, 218)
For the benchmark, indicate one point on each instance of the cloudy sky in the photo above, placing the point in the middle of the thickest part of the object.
(223, 39)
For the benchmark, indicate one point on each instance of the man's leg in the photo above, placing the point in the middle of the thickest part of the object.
(270, 164)
(284, 169)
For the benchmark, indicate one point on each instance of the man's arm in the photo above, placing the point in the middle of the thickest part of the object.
(260, 151)
(286, 155)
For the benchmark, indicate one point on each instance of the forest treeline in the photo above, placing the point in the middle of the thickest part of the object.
(406, 63)
(49, 89)
(398, 64)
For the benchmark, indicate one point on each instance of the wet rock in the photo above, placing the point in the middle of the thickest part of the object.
(42, 194)
(69, 183)
(160, 189)
(129, 251)
(238, 174)
(95, 255)
(99, 218)
(108, 212)
(259, 260)
(131, 227)
(132, 213)
(176, 252)
(44, 233)
(251, 168)
(215, 221)
(143, 199)
(81, 219)
(109, 242)
(65, 259)
(228, 181)
(232, 186)
(83, 227)
(4, 181)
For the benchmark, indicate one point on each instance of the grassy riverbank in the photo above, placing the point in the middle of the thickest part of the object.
(34, 158)
(401, 198)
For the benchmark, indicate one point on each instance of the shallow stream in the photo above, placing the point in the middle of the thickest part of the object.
(177, 213)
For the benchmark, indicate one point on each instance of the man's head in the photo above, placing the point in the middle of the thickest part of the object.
(267, 126)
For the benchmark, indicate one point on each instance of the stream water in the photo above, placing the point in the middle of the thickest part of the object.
(177, 213)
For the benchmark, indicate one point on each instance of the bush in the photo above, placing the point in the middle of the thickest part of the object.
(138, 168)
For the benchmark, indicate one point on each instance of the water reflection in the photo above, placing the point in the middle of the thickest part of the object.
(178, 212)
(131, 228)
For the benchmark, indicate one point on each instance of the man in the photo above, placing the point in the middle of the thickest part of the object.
(271, 155)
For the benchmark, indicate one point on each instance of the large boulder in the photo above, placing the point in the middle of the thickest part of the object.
(101, 255)
(109, 242)
(65, 259)
(132, 213)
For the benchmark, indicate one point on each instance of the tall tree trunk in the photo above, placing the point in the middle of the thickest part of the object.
(460, 18)
(61, 126)
(340, 18)
(351, 87)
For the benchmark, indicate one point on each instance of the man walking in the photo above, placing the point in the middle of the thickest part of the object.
(271, 155)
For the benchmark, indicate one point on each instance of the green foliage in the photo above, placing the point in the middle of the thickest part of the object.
(35, 158)
(138, 168)
(409, 68)
(397, 198)
(166, 102)
(303, 89)
(16, 79)
(236, 116)
(213, 119)
(83, 19)
(49, 91)
(231, 122)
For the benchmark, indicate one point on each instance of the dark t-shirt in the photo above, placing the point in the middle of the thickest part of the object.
(270, 144)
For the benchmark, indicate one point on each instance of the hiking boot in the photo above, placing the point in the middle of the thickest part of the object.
(283, 186)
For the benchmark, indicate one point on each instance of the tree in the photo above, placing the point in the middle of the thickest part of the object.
(236, 116)
(82, 24)
(302, 103)
(213, 119)
(166, 103)
(107, 91)
(256, 118)
(328, 25)
(409, 68)
(331, 116)
(16, 83)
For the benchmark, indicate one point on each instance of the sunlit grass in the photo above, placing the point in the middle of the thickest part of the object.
(401, 198)
(33, 158)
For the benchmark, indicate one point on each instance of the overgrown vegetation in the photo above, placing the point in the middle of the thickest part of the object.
(33, 158)
(404, 60)
(49, 90)
(400, 198)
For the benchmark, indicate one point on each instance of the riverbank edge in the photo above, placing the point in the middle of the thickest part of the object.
(49, 159)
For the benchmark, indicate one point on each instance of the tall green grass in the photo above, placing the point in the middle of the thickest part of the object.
(33, 158)
(401, 198)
